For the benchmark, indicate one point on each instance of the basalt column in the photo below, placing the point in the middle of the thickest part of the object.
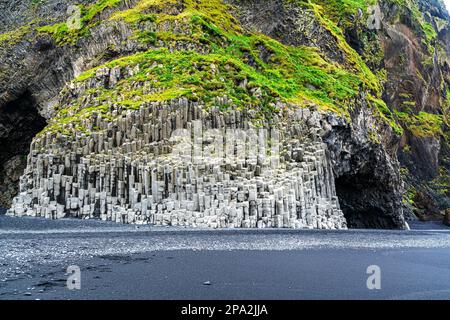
(175, 164)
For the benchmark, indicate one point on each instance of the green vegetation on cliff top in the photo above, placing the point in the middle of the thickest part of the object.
(63, 34)
(341, 11)
(252, 68)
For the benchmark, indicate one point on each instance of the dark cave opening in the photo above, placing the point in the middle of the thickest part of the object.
(20, 121)
(364, 203)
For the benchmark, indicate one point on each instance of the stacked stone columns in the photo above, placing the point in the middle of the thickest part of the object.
(174, 163)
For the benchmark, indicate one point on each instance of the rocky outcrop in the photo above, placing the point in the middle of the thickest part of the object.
(156, 165)
(124, 92)
(412, 46)
(367, 180)
(368, 184)
(19, 123)
(447, 218)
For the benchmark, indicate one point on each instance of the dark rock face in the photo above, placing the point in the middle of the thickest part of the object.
(368, 183)
(426, 208)
(288, 23)
(416, 62)
(416, 76)
(19, 123)
(447, 218)
(367, 179)
(37, 66)
(410, 82)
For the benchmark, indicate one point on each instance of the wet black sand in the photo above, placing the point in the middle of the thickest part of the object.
(125, 262)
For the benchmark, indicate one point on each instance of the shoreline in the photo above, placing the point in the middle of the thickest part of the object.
(121, 262)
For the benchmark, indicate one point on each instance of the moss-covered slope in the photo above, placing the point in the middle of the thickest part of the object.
(251, 69)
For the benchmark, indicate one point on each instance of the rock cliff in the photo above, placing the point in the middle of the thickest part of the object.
(274, 113)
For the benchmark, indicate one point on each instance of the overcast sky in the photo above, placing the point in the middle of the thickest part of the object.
(447, 3)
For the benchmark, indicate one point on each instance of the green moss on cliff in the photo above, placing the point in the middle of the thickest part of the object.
(422, 124)
(342, 12)
(387, 115)
(221, 73)
(251, 69)
(446, 109)
(354, 60)
(13, 37)
(247, 61)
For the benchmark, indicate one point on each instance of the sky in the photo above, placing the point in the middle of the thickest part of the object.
(447, 3)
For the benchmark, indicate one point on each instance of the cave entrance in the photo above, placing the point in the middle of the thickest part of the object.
(364, 202)
(20, 121)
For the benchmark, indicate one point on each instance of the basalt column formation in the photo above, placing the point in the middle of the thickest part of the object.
(173, 163)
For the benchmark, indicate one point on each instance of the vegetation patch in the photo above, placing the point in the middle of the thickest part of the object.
(64, 34)
(13, 37)
(422, 124)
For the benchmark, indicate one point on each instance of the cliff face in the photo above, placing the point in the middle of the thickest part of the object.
(237, 113)
(414, 52)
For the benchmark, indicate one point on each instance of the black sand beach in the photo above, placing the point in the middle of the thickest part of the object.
(128, 262)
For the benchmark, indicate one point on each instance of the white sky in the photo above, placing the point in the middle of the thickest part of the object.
(447, 3)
